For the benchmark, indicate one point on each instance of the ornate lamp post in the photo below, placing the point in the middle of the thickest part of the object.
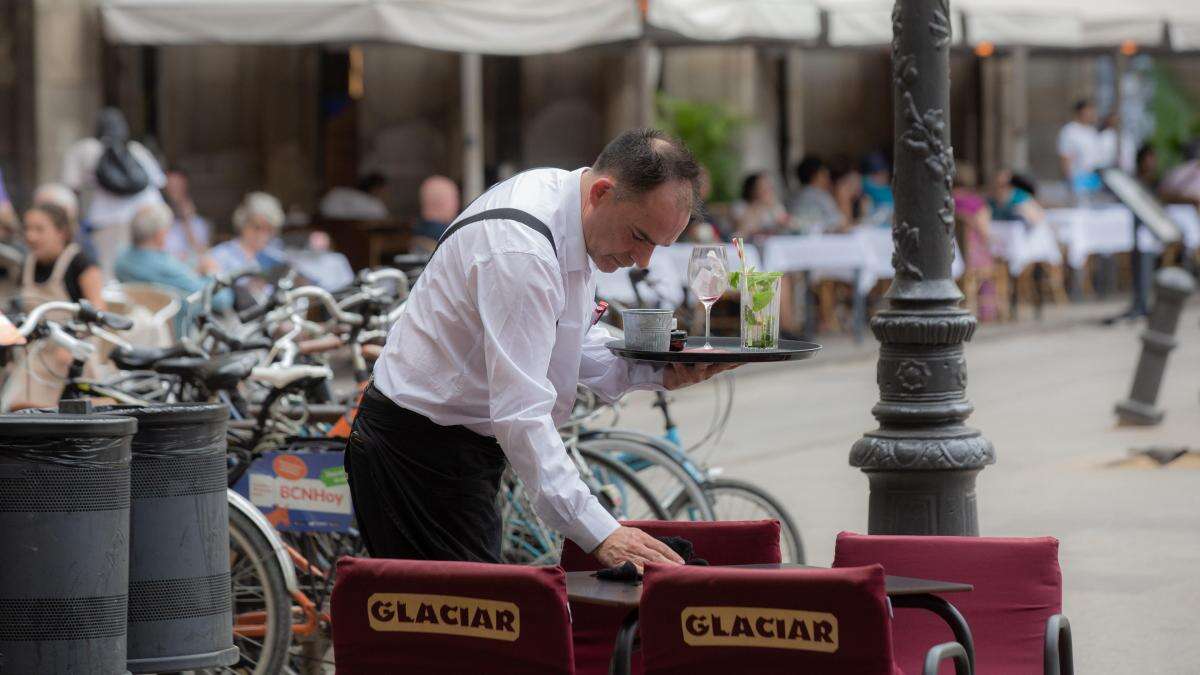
(922, 460)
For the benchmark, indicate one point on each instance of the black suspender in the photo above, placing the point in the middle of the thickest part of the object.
(517, 215)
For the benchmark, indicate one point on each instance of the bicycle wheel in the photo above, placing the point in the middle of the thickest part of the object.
(526, 540)
(733, 499)
(262, 607)
(668, 473)
(621, 491)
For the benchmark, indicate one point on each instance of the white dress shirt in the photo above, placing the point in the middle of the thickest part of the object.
(497, 334)
(1080, 144)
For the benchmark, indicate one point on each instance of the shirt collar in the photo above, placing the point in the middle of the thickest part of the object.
(575, 257)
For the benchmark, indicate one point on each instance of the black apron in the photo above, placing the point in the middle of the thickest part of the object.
(420, 490)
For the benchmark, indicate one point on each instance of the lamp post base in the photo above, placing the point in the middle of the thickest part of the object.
(923, 502)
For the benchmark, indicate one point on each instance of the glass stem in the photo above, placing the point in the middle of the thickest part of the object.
(707, 313)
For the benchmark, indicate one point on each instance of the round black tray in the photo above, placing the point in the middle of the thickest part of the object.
(726, 350)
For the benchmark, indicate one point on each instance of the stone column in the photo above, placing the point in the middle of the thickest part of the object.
(922, 460)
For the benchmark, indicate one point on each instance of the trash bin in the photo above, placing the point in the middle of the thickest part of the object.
(64, 562)
(180, 609)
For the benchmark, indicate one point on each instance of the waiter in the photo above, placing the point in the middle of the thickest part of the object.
(483, 365)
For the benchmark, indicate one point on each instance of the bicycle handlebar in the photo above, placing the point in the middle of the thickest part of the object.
(81, 310)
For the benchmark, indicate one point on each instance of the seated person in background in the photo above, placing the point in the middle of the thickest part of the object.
(147, 261)
(439, 200)
(973, 212)
(364, 201)
(1009, 202)
(257, 222)
(1182, 184)
(759, 212)
(847, 194)
(813, 208)
(55, 267)
(190, 234)
(876, 183)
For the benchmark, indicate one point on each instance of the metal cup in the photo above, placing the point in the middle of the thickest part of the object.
(647, 329)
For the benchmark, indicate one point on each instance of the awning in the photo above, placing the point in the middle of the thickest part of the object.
(507, 27)
(726, 20)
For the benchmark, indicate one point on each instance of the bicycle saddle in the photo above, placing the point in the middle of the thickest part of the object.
(280, 377)
(141, 358)
(221, 372)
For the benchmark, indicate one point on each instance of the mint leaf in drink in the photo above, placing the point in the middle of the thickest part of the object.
(734, 278)
(760, 299)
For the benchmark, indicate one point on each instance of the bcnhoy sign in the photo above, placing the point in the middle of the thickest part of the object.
(446, 614)
(759, 627)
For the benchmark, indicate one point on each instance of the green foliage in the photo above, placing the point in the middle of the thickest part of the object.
(1176, 119)
(708, 129)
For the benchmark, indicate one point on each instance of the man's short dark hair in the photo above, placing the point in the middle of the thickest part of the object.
(1081, 104)
(640, 160)
(808, 168)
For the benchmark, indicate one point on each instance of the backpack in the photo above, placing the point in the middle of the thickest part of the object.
(119, 172)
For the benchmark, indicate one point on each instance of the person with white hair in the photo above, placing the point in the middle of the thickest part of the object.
(257, 222)
(148, 261)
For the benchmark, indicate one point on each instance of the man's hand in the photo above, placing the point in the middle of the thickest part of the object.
(634, 545)
(680, 375)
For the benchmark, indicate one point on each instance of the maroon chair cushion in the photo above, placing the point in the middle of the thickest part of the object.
(697, 620)
(739, 542)
(1018, 586)
(414, 616)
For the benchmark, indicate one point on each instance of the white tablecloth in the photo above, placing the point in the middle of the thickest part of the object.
(867, 250)
(668, 278)
(1188, 219)
(1022, 245)
(1101, 230)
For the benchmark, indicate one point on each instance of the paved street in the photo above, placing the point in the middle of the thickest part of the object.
(1044, 396)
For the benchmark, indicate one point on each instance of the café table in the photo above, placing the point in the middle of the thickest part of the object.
(585, 588)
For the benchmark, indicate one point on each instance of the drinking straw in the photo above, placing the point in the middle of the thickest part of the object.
(737, 243)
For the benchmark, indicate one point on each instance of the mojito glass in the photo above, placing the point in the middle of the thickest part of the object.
(760, 309)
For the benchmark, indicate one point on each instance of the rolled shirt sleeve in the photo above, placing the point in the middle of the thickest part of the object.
(612, 377)
(519, 296)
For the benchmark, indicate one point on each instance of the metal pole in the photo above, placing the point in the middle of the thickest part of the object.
(472, 121)
(1171, 289)
(922, 461)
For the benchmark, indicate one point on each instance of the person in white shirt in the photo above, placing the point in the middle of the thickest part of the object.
(108, 214)
(1080, 151)
(483, 366)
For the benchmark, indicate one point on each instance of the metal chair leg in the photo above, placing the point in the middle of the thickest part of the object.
(947, 650)
(623, 649)
(949, 613)
(1058, 659)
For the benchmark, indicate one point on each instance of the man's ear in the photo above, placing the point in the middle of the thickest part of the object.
(601, 187)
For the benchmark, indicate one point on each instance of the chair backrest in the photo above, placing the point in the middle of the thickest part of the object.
(415, 616)
(734, 542)
(740, 542)
(699, 620)
(1018, 586)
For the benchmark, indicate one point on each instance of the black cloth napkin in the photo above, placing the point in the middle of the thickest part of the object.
(628, 572)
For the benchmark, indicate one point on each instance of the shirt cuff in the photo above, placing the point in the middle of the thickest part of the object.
(592, 526)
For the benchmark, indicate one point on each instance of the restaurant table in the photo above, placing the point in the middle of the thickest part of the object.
(585, 588)
(1022, 244)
